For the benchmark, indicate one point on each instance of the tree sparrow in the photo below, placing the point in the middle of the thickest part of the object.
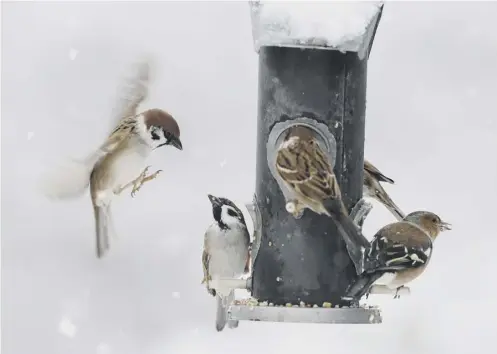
(122, 164)
(226, 253)
(119, 163)
(373, 189)
(400, 252)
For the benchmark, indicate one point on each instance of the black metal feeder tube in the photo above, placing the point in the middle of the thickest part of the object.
(306, 259)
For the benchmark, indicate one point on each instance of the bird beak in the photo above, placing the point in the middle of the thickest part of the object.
(444, 226)
(177, 143)
(214, 200)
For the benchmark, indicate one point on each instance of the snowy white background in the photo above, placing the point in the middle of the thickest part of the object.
(431, 125)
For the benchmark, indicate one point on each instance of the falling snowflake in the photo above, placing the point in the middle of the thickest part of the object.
(176, 295)
(30, 135)
(67, 328)
(73, 53)
(222, 163)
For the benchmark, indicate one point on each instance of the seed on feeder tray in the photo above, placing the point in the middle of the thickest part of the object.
(288, 304)
(264, 303)
(327, 305)
(302, 304)
(252, 302)
(271, 304)
(315, 306)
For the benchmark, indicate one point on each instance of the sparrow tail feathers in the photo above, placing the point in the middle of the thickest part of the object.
(102, 217)
(357, 245)
(222, 312)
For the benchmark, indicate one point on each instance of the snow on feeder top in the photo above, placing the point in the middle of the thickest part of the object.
(343, 26)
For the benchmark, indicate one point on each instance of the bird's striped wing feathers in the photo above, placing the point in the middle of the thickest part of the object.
(400, 246)
(369, 167)
(306, 169)
(132, 92)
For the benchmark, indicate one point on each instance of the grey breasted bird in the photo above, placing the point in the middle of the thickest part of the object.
(400, 252)
(226, 252)
(373, 189)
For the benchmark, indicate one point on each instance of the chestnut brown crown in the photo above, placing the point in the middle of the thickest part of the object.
(159, 120)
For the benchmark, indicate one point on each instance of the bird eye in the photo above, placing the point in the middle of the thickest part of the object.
(155, 136)
(233, 213)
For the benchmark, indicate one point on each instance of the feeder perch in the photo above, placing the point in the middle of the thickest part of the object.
(312, 72)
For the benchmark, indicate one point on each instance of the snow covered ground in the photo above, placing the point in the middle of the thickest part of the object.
(431, 126)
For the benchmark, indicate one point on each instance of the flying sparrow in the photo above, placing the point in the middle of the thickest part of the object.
(400, 252)
(71, 178)
(122, 163)
(226, 253)
(373, 189)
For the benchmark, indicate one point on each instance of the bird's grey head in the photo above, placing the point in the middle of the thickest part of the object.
(428, 221)
(160, 129)
(226, 213)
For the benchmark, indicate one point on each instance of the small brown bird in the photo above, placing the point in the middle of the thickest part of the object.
(120, 162)
(306, 171)
(123, 158)
(400, 252)
(373, 189)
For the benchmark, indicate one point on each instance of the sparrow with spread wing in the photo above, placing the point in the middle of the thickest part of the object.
(119, 163)
(122, 164)
(226, 253)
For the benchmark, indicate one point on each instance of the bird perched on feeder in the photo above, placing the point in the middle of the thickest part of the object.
(119, 163)
(226, 253)
(400, 252)
(307, 173)
(373, 189)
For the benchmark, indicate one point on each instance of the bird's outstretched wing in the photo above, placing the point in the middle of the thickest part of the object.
(118, 136)
(132, 91)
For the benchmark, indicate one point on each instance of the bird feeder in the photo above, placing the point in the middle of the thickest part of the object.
(312, 71)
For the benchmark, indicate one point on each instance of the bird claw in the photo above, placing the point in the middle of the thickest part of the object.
(142, 179)
(397, 295)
